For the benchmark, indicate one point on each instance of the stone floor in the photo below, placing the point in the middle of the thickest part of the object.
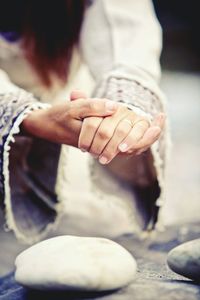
(183, 205)
(153, 281)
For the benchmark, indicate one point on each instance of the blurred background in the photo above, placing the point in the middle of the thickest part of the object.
(181, 83)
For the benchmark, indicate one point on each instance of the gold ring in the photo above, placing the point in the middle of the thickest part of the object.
(142, 120)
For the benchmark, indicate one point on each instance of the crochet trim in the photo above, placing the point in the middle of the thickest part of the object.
(10, 221)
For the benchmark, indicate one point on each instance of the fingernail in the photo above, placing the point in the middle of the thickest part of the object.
(123, 147)
(111, 105)
(103, 160)
(83, 150)
(94, 155)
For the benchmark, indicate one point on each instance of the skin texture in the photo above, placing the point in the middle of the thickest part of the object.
(122, 132)
(62, 123)
(99, 126)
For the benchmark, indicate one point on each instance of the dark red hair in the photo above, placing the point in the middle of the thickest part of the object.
(49, 30)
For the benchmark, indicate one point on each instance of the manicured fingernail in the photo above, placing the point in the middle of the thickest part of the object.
(103, 160)
(123, 147)
(111, 105)
(83, 150)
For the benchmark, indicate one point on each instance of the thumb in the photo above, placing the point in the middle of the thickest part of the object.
(159, 120)
(83, 108)
(77, 94)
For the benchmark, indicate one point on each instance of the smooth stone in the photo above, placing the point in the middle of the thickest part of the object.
(185, 259)
(75, 263)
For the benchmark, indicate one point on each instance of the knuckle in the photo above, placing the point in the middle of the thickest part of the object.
(90, 125)
(121, 131)
(104, 134)
(83, 145)
(93, 105)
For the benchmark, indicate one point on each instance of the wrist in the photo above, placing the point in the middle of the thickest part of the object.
(35, 124)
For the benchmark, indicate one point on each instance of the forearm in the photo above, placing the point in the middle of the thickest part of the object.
(36, 124)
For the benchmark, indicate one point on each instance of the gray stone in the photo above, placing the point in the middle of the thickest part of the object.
(154, 279)
(185, 260)
(75, 263)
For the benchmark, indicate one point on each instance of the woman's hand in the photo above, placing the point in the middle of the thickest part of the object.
(62, 123)
(123, 132)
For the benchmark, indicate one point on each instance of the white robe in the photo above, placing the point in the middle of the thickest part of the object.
(119, 39)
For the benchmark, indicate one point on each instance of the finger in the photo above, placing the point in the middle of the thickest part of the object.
(141, 151)
(77, 94)
(106, 131)
(111, 150)
(83, 108)
(159, 120)
(134, 136)
(88, 131)
(150, 136)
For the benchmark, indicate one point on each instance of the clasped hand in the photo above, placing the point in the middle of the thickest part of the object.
(123, 132)
(101, 127)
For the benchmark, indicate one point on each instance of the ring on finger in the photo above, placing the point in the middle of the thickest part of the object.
(142, 120)
(133, 123)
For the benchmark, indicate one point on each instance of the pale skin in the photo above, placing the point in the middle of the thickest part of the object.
(99, 126)
(62, 122)
(107, 137)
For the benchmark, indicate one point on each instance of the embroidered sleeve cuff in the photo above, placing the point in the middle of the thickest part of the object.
(130, 92)
(14, 107)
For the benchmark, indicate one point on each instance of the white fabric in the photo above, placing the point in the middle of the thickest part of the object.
(121, 33)
(119, 38)
(115, 36)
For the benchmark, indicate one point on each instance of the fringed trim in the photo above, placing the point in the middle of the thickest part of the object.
(10, 220)
(158, 163)
(62, 178)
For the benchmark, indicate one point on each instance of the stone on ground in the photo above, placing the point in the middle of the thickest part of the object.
(185, 260)
(75, 263)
